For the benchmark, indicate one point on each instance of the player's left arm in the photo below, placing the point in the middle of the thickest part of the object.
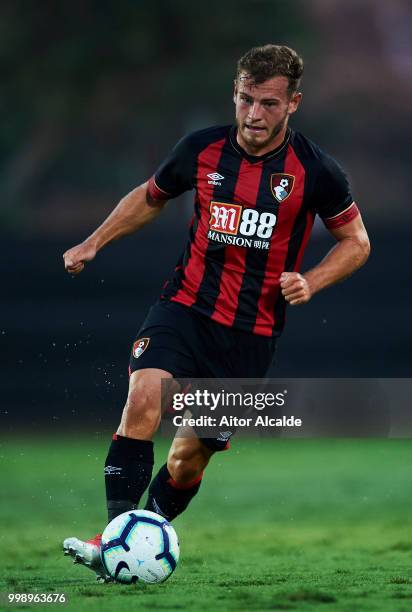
(349, 253)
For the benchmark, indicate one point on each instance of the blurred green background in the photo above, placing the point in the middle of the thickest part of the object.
(278, 525)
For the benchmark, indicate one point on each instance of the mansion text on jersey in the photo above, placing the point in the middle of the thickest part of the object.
(238, 241)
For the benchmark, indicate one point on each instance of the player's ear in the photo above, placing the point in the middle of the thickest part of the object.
(294, 102)
(234, 90)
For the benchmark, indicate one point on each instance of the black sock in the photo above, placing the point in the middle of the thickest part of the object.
(127, 473)
(169, 498)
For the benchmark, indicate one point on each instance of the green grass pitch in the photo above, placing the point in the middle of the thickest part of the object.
(278, 525)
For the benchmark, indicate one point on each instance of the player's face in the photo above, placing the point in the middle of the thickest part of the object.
(262, 112)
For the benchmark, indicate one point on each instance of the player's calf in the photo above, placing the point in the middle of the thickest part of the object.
(187, 458)
(178, 481)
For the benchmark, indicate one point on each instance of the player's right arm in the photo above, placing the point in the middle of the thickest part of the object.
(133, 211)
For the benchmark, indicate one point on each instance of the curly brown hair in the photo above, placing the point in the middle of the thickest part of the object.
(263, 63)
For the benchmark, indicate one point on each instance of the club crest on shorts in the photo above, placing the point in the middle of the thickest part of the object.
(282, 185)
(140, 346)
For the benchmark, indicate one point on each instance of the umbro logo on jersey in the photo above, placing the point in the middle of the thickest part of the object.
(282, 185)
(215, 178)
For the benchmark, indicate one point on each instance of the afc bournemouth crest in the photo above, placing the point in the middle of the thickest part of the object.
(282, 186)
(140, 346)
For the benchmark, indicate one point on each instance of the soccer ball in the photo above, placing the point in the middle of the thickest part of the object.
(139, 545)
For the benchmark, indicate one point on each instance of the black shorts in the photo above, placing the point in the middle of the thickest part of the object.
(187, 344)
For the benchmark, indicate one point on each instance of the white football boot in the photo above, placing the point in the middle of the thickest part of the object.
(87, 553)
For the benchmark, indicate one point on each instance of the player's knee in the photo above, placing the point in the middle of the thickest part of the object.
(142, 407)
(144, 392)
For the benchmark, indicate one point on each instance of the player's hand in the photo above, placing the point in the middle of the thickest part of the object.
(295, 288)
(75, 258)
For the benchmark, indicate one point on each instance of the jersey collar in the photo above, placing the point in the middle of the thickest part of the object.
(257, 158)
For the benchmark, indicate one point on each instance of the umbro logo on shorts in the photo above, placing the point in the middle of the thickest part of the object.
(224, 436)
(140, 346)
(215, 178)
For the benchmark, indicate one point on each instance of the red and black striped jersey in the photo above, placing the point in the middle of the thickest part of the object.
(252, 220)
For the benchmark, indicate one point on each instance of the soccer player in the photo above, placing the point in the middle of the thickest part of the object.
(258, 186)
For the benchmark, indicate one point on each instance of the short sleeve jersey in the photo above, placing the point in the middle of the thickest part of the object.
(252, 220)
